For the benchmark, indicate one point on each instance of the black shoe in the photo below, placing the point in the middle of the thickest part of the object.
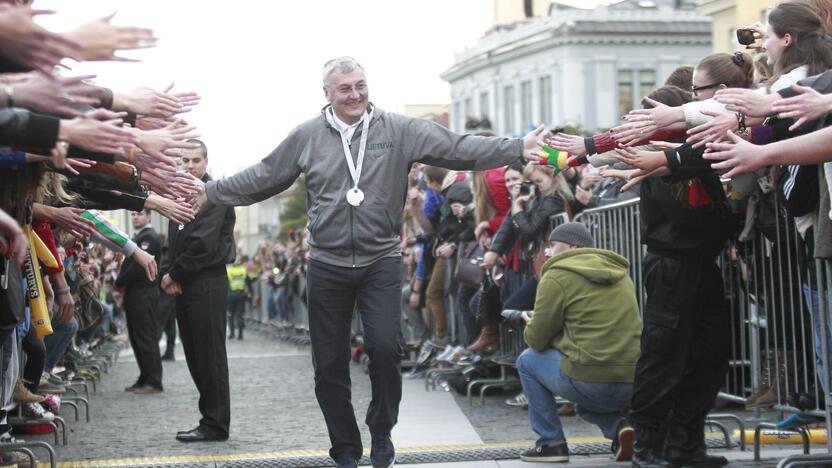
(168, 356)
(346, 461)
(133, 387)
(700, 460)
(197, 435)
(189, 430)
(559, 452)
(648, 460)
(147, 390)
(382, 452)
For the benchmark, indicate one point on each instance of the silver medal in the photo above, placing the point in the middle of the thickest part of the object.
(355, 196)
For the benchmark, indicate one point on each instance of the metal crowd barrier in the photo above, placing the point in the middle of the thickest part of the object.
(779, 302)
(294, 326)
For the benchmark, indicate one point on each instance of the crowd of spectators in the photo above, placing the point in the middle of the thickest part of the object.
(72, 147)
(473, 243)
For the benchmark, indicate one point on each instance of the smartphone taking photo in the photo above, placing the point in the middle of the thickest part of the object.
(745, 36)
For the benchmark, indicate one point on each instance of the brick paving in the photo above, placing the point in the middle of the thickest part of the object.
(273, 409)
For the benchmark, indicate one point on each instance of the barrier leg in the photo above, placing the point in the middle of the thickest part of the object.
(734, 418)
(722, 429)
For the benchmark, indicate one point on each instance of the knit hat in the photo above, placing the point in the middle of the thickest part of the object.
(573, 234)
(459, 192)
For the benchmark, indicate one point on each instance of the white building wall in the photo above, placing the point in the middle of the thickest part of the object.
(573, 68)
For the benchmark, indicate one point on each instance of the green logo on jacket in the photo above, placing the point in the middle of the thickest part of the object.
(387, 145)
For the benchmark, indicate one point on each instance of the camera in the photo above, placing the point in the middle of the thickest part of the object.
(745, 36)
(515, 317)
(527, 187)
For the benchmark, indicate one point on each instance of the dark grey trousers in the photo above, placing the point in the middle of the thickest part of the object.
(140, 304)
(334, 293)
(201, 315)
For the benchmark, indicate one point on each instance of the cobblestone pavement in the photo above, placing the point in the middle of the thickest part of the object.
(273, 409)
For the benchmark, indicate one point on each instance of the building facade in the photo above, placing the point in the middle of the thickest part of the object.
(728, 15)
(583, 68)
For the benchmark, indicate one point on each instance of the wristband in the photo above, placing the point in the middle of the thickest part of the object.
(8, 91)
(62, 290)
(741, 123)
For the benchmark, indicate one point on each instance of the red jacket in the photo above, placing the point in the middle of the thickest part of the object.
(495, 180)
(44, 230)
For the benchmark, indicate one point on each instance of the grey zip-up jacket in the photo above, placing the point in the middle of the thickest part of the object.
(340, 234)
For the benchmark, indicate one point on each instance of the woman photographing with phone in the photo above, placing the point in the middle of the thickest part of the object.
(536, 195)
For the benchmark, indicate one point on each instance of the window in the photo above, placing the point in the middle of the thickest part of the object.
(633, 85)
(508, 110)
(526, 104)
(468, 111)
(545, 100)
(625, 91)
(485, 111)
(646, 83)
(458, 119)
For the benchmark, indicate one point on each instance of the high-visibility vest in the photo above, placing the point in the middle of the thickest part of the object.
(237, 277)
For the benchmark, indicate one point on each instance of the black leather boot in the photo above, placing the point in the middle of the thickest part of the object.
(647, 449)
(686, 446)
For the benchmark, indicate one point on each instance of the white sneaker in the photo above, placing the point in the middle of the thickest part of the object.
(36, 411)
(449, 350)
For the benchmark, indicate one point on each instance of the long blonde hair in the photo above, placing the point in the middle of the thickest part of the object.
(52, 192)
(559, 184)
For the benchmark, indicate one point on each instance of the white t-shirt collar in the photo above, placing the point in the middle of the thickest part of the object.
(346, 129)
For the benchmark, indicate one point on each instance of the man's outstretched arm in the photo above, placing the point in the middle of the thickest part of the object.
(435, 145)
(274, 174)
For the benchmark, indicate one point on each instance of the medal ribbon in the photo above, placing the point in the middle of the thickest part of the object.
(355, 168)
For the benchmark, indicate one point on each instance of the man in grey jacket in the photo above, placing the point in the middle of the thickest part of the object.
(356, 158)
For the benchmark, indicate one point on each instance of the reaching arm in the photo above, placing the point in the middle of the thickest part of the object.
(435, 145)
(741, 156)
(107, 234)
(274, 174)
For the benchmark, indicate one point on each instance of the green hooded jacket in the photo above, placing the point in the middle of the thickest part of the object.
(586, 308)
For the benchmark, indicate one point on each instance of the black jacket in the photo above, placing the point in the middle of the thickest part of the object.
(28, 131)
(531, 225)
(672, 223)
(204, 246)
(133, 275)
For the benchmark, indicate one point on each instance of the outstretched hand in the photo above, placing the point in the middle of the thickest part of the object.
(100, 39)
(27, 44)
(712, 130)
(644, 160)
(807, 105)
(749, 102)
(532, 145)
(736, 155)
(571, 143)
(50, 94)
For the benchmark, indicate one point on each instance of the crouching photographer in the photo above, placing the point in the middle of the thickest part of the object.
(584, 340)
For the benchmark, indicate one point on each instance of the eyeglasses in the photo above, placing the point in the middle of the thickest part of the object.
(695, 89)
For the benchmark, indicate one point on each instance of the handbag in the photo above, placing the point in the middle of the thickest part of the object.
(490, 304)
(469, 258)
(88, 309)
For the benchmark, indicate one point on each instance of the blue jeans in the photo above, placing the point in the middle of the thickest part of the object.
(602, 404)
(810, 294)
(56, 343)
